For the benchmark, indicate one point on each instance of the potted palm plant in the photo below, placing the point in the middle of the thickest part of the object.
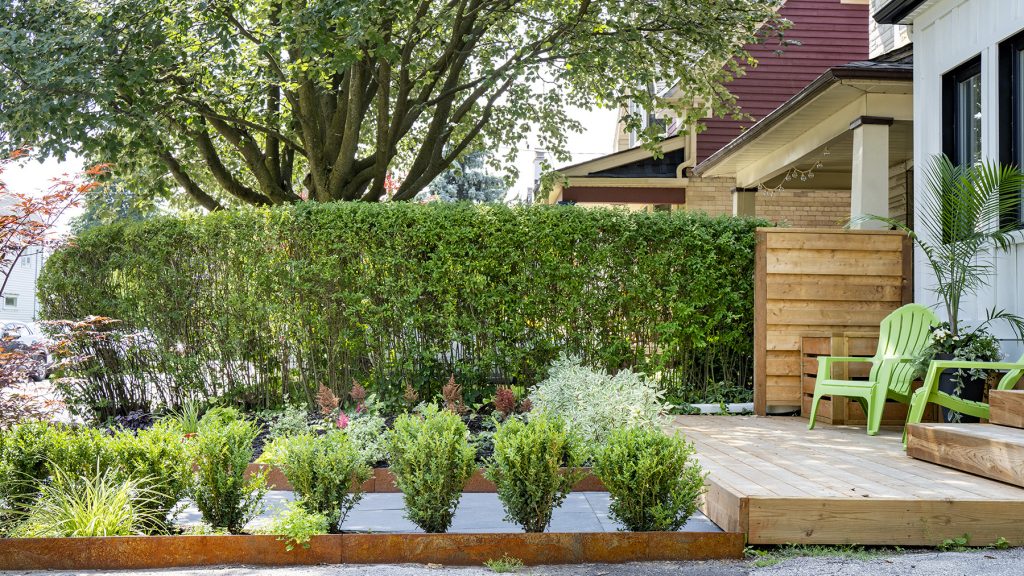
(960, 227)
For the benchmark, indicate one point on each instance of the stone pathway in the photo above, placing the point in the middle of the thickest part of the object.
(477, 513)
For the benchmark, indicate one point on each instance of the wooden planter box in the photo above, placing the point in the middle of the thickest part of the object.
(155, 552)
(383, 481)
(840, 410)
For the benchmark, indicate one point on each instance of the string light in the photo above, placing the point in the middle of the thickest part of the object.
(794, 174)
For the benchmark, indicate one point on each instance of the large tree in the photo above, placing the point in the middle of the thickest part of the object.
(269, 101)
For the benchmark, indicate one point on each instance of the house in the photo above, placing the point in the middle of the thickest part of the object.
(969, 105)
(829, 33)
(18, 300)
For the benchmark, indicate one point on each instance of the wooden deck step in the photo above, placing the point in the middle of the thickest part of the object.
(988, 450)
(1006, 407)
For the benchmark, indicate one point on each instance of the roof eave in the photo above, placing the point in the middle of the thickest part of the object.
(896, 11)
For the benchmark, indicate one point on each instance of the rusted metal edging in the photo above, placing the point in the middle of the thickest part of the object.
(152, 552)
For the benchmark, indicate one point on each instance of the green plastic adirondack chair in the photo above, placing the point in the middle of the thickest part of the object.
(901, 337)
(929, 391)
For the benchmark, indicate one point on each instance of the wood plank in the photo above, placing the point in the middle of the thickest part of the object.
(882, 521)
(781, 363)
(832, 262)
(816, 241)
(826, 280)
(760, 322)
(724, 507)
(778, 314)
(818, 345)
(1006, 407)
(988, 450)
(835, 292)
(784, 395)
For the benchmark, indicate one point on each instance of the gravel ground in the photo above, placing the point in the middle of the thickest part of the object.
(984, 562)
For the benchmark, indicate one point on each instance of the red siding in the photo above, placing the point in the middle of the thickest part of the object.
(830, 33)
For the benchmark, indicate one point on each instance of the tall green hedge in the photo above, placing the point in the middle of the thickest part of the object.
(259, 303)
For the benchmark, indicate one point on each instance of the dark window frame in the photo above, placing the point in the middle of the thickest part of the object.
(951, 119)
(1011, 93)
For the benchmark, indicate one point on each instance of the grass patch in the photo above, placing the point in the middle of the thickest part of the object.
(765, 556)
(505, 564)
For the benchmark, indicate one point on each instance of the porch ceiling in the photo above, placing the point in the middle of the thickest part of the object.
(819, 117)
(836, 168)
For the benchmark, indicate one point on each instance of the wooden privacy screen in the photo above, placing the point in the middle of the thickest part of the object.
(819, 280)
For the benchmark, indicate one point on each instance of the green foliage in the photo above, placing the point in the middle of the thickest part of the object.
(221, 451)
(186, 418)
(534, 467)
(326, 473)
(961, 224)
(1001, 544)
(766, 556)
(367, 432)
(80, 451)
(98, 504)
(227, 102)
(297, 526)
(292, 421)
(504, 564)
(157, 459)
(955, 544)
(653, 480)
(394, 294)
(594, 403)
(468, 180)
(24, 466)
(431, 459)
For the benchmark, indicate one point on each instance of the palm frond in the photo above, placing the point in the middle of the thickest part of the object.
(958, 222)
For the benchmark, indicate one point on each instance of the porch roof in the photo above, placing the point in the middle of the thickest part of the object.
(820, 116)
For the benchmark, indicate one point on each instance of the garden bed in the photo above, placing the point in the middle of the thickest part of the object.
(383, 481)
(153, 552)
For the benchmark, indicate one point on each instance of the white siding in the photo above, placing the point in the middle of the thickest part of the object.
(22, 284)
(946, 34)
(884, 38)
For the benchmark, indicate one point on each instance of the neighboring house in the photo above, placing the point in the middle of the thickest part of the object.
(969, 105)
(843, 145)
(830, 33)
(18, 301)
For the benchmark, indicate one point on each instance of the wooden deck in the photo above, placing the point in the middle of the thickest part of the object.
(780, 483)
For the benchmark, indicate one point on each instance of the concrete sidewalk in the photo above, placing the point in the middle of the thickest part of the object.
(477, 513)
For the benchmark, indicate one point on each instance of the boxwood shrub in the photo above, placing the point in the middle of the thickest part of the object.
(264, 304)
(653, 480)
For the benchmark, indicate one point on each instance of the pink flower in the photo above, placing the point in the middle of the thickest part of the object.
(342, 421)
(360, 408)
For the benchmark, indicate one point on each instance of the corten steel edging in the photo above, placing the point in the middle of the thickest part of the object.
(152, 552)
(384, 481)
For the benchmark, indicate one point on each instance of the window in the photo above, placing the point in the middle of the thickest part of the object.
(1011, 110)
(961, 104)
(10, 301)
(26, 261)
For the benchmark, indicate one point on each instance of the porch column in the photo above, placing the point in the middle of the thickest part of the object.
(869, 189)
(744, 202)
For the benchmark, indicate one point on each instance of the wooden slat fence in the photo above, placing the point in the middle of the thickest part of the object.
(819, 280)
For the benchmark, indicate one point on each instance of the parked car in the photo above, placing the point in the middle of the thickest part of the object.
(19, 335)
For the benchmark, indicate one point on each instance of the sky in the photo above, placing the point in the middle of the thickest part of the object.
(597, 139)
(34, 176)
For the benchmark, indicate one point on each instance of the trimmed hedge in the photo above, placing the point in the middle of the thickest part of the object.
(257, 304)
